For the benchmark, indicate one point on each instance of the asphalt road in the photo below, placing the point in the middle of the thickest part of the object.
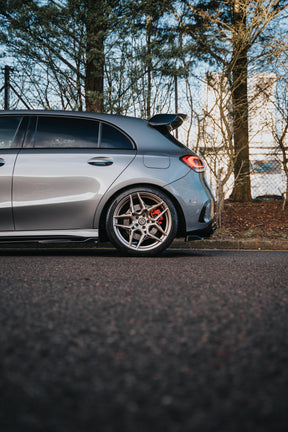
(189, 341)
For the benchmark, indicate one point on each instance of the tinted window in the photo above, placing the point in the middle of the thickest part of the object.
(113, 138)
(8, 129)
(61, 132)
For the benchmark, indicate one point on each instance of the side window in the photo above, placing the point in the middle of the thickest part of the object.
(61, 132)
(8, 130)
(112, 138)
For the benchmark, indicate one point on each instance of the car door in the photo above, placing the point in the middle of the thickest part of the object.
(10, 140)
(62, 173)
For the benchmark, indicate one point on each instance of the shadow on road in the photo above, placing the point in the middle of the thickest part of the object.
(103, 252)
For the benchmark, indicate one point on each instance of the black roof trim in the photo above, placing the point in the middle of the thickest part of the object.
(168, 121)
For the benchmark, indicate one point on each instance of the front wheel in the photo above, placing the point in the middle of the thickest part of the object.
(142, 222)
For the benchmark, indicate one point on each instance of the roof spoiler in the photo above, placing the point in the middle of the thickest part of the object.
(167, 121)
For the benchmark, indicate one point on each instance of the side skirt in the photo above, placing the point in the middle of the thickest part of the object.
(50, 236)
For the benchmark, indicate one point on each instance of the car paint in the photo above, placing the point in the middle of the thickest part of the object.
(66, 195)
(8, 158)
(61, 192)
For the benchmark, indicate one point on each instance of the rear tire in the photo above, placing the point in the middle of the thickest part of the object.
(142, 221)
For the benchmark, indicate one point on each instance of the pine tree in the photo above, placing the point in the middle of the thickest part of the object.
(68, 37)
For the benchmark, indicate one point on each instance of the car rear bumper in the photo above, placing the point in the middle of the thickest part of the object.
(197, 203)
(201, 234)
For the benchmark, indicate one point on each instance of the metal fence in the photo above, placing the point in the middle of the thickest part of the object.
(267, 178)
(267, 175)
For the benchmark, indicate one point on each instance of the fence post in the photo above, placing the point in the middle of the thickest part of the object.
(219, 198)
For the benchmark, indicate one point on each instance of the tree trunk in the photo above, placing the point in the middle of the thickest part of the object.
(95, 58)
(242, 187)
(149, 64)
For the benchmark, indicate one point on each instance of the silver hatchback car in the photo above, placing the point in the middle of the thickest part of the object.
(80, 176)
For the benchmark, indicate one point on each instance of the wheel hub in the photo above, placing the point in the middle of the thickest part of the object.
(142, 221)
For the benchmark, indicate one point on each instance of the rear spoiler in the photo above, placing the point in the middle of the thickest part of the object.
(167, 121)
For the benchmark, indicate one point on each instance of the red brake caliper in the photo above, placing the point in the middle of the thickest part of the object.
(156, 212)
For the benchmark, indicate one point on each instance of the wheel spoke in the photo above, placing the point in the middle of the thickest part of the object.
(141, 201)
(141, 240)
(154, 237)
(131, 237)
(123, 216)
(127, 227)
(131, 204)
(155, 206)
(159, 228)
(160, 215)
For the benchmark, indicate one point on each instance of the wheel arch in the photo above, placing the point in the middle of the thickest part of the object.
(181, 229)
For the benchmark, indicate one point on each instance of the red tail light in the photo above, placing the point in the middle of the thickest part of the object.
(194, 162)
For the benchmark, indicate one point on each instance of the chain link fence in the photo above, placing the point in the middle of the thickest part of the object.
(267, 175)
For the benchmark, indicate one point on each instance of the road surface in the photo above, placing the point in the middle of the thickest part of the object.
(189, 341)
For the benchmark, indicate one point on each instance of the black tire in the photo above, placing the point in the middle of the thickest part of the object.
(142, 221)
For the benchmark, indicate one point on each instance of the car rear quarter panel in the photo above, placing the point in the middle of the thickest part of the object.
(170, 169)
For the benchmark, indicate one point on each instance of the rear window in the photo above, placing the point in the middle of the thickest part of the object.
(8, 130)
(112, 138)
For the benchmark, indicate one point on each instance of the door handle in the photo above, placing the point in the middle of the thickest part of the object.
(2, 162)
(100, 161)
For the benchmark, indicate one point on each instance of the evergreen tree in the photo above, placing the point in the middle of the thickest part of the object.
(65, 36)
(149, 25)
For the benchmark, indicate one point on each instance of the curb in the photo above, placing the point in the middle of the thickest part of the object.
(240, 244)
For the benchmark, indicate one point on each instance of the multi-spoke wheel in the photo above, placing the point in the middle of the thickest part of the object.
(142, 222)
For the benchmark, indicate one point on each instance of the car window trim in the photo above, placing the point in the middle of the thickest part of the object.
(30, 138)
(30, 132)
(20, 133)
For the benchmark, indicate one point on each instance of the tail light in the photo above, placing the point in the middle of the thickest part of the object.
(194, 162)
